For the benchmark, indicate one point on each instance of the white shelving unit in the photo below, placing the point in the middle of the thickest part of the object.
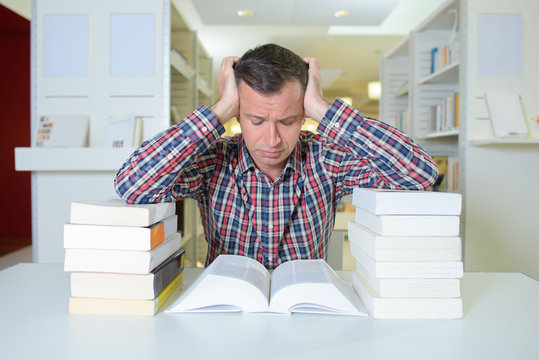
(63, 175)
(497, 177)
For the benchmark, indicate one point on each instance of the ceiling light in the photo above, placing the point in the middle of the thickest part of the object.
(340, 13)
(245, 13)
(374, 90)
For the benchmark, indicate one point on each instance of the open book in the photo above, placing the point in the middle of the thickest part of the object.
(238, 283)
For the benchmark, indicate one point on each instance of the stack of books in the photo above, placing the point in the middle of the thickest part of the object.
(124, 259)
(408, 253)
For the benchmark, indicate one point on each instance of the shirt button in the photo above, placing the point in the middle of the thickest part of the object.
(270, 227)
(204, 129)
(170, 157)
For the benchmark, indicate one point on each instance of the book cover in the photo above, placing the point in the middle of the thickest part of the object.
(407, 202)
(240, 284)
(123, 131)
(409, 225)
(405, 308)
(120, 261)
(62, 131)
(408, 269)
(127, 286)
(404, 248)
(506, 115)
(112, 237)
(118, 212)
(126, 307)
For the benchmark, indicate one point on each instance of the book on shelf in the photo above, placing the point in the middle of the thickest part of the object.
(118, 212)
(121, 261)
(126, 307)
(123, 131)
(404, 307)
(84, 236)
(62, 131)
(407, 269)
(443, 115)
(404, 248)
(406, 202)
(234, 283)
(409, 225)
(127, 286)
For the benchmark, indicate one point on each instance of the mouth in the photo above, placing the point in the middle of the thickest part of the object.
(270, 154)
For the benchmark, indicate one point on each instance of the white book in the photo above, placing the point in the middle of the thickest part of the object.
(405, 248)
(118, 212)
(127, 286)
(239, 283)
(120, 261)
(407, 202)
(408, 269)
(409, 225)
(112, 237)
(126, 307)
(405, 308)
(411, 287)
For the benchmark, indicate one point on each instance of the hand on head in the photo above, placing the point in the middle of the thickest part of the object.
(314, 104)
(228, 104)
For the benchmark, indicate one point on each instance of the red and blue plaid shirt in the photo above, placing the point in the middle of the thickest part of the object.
(242, 210)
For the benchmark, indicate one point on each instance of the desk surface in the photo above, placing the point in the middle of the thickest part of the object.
(501, 321)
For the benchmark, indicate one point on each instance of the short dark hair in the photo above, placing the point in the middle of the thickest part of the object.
(267, 68)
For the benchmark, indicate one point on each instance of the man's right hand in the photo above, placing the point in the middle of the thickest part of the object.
(228, 104)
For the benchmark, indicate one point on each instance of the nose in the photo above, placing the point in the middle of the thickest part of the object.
(272, 137)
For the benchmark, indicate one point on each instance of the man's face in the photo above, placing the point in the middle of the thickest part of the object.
(270, 125)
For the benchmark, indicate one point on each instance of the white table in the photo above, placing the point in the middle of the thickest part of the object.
(501, 321)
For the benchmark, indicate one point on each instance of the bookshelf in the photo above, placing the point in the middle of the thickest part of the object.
(495, 175)
(102, 80)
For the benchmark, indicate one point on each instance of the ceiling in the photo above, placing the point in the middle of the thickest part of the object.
(348, 48)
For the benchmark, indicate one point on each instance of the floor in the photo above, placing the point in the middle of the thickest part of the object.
(22, 255)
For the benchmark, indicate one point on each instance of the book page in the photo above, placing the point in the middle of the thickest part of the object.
(230, 283)
(245, 269)
(294, 272)
(311, 286)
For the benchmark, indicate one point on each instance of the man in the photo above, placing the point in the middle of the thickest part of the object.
(271, 192)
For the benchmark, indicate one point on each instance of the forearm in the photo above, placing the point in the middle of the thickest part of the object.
(160, 166)
(391, 159)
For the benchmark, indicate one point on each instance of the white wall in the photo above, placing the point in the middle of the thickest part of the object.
(502, 181)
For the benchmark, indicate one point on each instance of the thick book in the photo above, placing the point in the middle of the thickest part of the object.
(408, 269)
(409, 225)
(82, 236)
(405, 248)
(407, 202)
(241, 284)
(127, 307)
(127, 286)
(405, 308)
(118, 212)
(120, 261)
(410, 287)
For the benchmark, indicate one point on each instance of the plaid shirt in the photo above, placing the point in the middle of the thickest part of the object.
(242, 210)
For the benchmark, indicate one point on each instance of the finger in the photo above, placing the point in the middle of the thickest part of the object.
(311, 61)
